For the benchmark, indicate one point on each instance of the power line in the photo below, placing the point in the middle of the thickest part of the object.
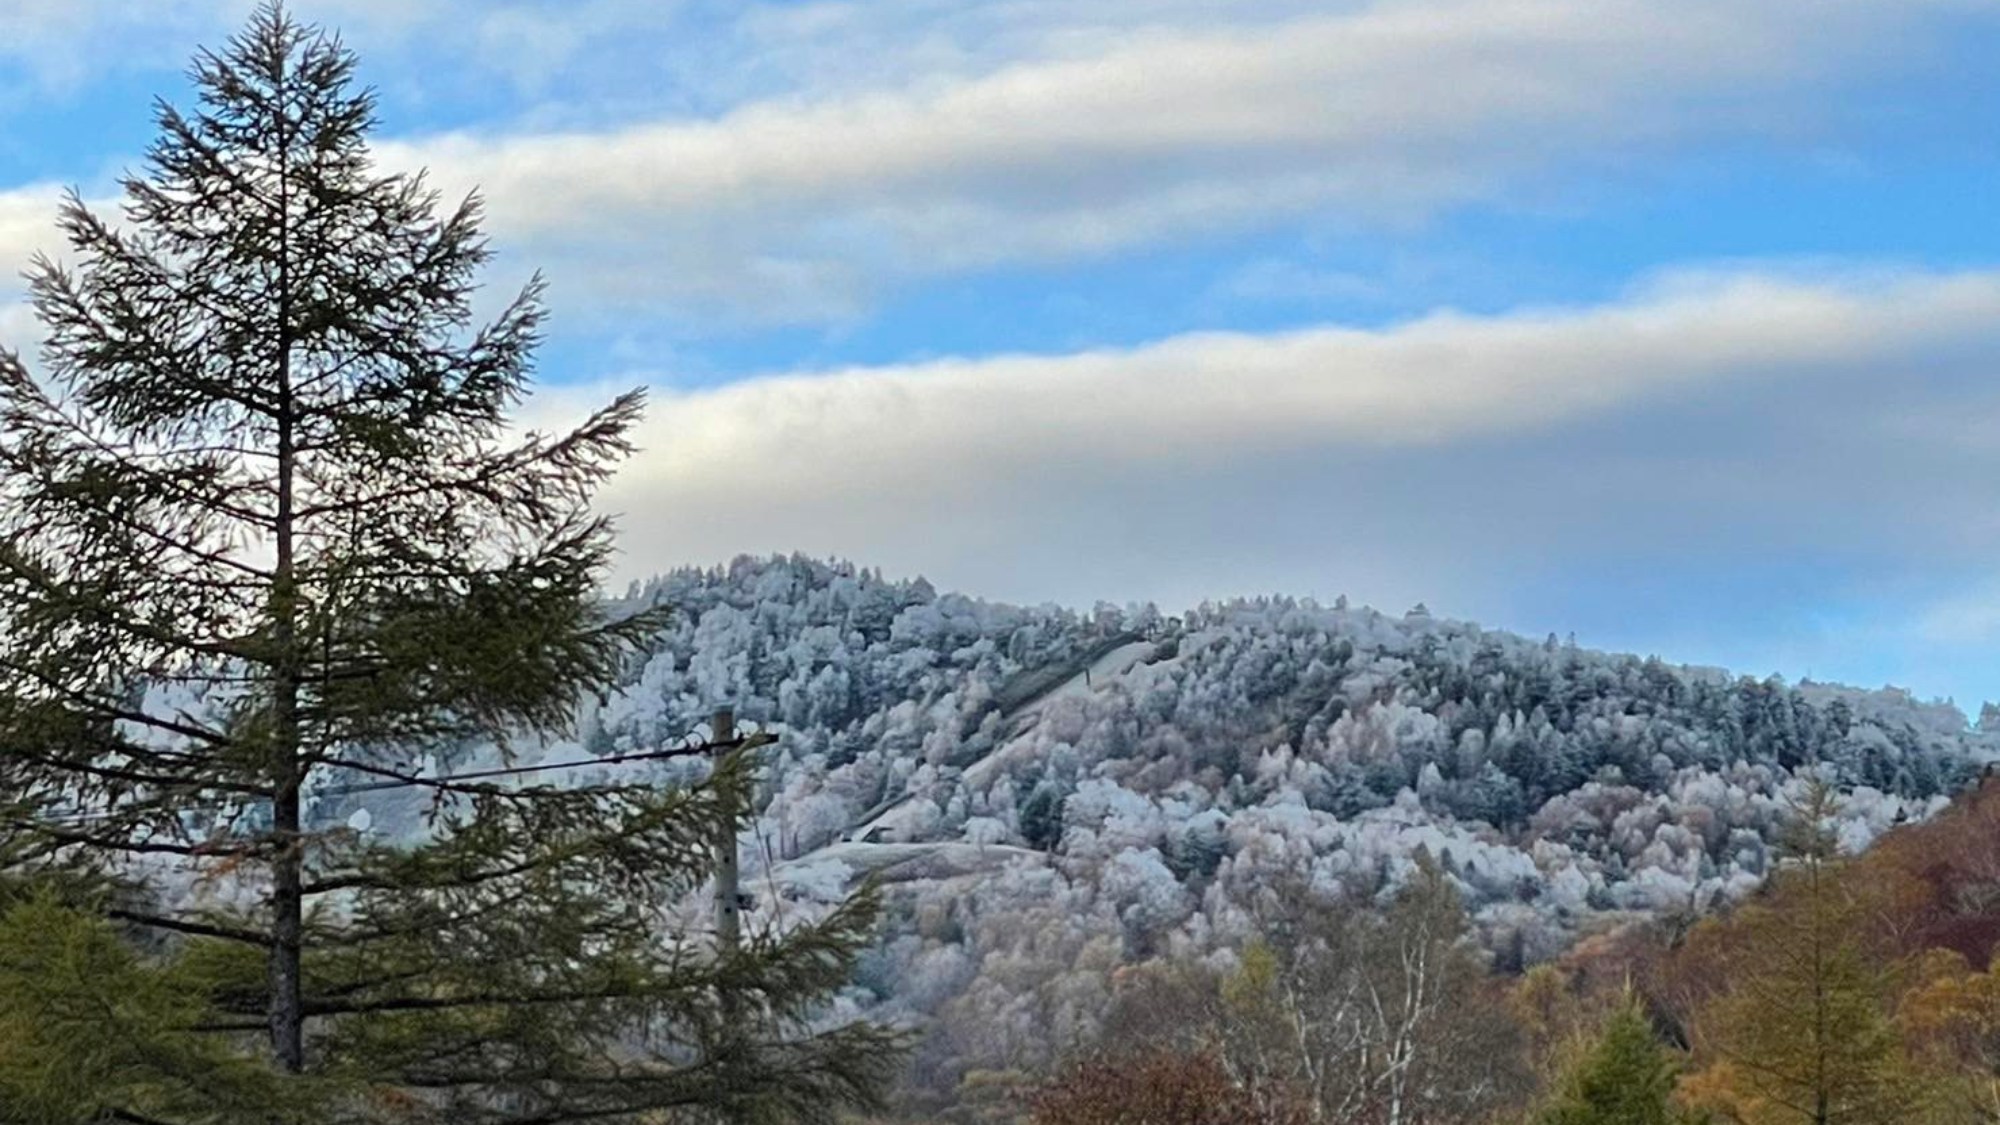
(685, 750)
(450, 782)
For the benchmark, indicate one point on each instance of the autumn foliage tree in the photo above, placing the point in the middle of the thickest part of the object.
(1952, 1018)
(1155, 1087)
(1801, 1032)
(1350, 1011)
(1848, 990)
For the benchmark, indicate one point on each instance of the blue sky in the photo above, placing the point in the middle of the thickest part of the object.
(1672, 323)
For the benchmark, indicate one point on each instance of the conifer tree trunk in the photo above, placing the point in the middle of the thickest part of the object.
(287, 876)
(287, 1009)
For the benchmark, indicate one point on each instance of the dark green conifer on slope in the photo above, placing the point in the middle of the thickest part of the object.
(1624, 1077)
(262, 528)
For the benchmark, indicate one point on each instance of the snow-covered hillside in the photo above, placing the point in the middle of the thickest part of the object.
(1047, 794)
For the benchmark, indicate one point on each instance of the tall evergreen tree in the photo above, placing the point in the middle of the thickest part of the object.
(1803, 1035)
(263, 531)
(91, 1031)
(1624, 1077)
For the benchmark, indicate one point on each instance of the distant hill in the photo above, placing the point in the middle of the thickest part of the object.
(1049, 793)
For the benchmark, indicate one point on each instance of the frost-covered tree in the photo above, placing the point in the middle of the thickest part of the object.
(1246, 746)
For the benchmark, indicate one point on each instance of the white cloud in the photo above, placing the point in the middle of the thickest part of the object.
(27, 226)
(18, 328)
(981, 470)
(1967, 618)
(795, 205)
(813, 155)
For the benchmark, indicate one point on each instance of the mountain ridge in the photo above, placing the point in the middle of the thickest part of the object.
(1047, 794)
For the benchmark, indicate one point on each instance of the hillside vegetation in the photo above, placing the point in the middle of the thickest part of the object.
(1050, 795)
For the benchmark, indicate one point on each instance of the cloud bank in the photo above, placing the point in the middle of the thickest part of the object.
(807, 204)
(930, 466)
(792, 163)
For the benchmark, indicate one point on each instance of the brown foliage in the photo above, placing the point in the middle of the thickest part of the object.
(1847, 989)
(1936, 885)
(1155, 1087)
(1788, 998)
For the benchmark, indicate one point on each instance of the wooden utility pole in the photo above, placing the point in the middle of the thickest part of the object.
(728, 865)
(723, 742)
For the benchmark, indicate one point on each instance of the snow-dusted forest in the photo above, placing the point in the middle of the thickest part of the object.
(1046, 794)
